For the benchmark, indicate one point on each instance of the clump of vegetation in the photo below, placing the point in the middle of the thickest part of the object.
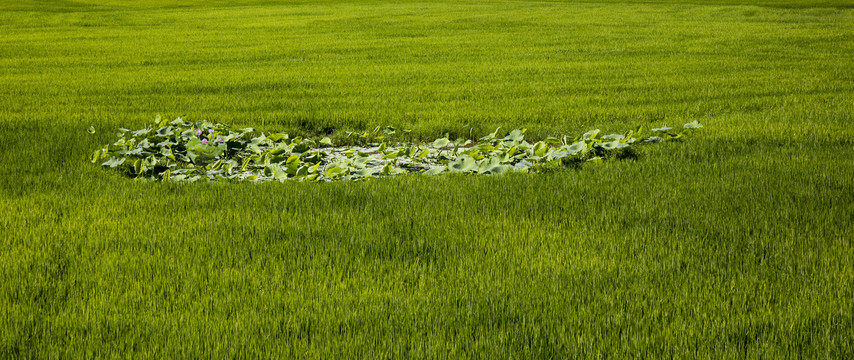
(184, 151)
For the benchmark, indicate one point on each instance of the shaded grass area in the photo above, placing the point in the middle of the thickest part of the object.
(733, 244)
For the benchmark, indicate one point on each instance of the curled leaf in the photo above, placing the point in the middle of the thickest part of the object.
(693, 125)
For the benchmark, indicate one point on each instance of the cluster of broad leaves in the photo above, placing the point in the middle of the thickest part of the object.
(184, 151)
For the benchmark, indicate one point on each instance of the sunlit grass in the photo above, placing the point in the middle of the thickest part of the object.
(733, 244)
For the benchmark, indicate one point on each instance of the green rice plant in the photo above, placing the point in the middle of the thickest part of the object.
(734, 244)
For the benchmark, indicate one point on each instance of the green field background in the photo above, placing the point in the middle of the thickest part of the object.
(736, 243)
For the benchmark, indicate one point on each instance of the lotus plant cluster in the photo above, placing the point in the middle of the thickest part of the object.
(183, 151)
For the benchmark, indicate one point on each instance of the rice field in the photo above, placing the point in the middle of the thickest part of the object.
(735, 243)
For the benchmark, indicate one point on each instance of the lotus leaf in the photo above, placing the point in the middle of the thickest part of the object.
(693, 125)
(186, 151)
